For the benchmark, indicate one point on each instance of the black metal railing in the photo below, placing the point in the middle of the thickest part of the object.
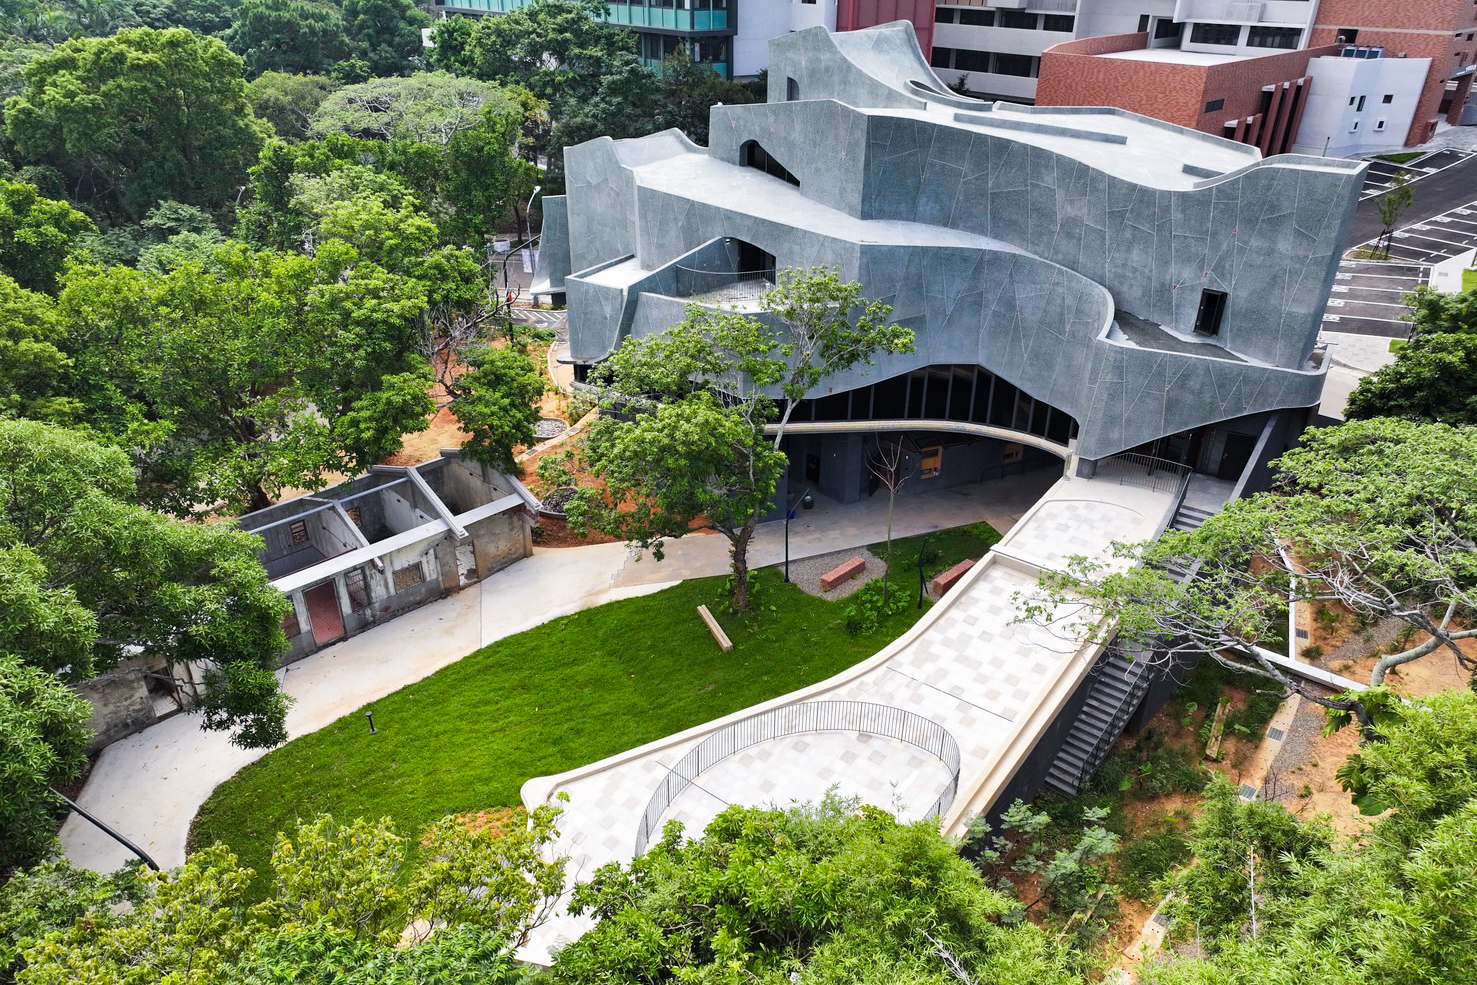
(1134, 469)
(809, 716)
(723, 285)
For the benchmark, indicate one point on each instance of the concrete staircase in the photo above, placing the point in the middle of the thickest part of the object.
(1118, 686)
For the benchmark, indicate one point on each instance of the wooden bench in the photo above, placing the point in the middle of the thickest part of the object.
(715, 629)
(845, 572)
(947, 580)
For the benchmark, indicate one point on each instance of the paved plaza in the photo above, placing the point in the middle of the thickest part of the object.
(966, 666)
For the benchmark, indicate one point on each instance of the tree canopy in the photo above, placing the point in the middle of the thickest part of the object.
(36, 235)
(684, 442)
(137, 118)
(92, 579)
(306, 37)
(1375, 516)
(43, 737)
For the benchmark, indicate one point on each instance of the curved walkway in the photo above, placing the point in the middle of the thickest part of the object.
(994, 685)
(150, 785)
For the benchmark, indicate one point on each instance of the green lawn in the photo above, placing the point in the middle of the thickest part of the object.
(1401, 158)
(1469, 279)
(565, 694)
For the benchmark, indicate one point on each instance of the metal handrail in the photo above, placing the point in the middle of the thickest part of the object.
(809, 716)
(693, 282)
(1134, 469)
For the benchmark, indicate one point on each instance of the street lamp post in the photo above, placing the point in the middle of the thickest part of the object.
(790, 515)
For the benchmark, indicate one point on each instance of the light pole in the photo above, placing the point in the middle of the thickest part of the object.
(790, 515)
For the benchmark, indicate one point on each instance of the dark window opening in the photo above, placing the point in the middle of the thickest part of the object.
(971, 61)
(1348, 35)
(1212, 308)
(1389, 98)
(1215, 33)
(975, 17)
(1018, 19)
(758, 158)
(1168, 29)
(1023, 66)
(942, 57)
(1058, 22)
(943, 15)
(792, 90)
(1143, 23)
(1273, 37)
(299, 531)
(1214, 105)
(357, 590)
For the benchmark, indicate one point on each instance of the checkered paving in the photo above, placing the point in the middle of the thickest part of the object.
(974, 671)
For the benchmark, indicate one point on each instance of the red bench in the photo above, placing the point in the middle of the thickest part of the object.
(946, 581)
(845, 572)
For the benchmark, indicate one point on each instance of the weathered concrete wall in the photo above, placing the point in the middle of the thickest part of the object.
(121, 706)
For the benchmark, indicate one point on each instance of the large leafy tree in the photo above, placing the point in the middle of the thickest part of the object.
(1431, 379)
(288, 101)
(43, 737)
(1272, 899)
(386, 33)
(36, 235)
(428, 108)
(1376, 516)
(695, 417)
(295, 36)
(137, 118)
(33, 369)
(92, 579)
(835, 893)
(342, 899)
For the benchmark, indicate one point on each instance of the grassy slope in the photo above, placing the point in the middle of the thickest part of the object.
(565, 694)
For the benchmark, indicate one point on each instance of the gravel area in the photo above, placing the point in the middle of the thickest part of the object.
(1297, 750)
(807, 573)
(549, 427)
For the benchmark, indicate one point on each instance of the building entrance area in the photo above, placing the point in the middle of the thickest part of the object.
(324, 614)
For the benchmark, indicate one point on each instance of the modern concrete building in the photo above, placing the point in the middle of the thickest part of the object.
(370, 548)
(1082, 283)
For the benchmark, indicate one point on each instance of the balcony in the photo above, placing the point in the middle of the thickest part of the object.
(666, 18)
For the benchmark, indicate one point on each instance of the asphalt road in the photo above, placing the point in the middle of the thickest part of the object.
(1434, 195)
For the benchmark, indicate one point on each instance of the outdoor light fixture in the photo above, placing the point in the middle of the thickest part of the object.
(372, 730)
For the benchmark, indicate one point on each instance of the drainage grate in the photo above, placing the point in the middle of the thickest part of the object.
(1302, 634)
(1247, 792)
(1275, 734)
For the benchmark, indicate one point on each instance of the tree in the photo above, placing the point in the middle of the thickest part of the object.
(891, 467)
(43, 739)
(199, 16)
(33, 370)
(53, 896)
(429, 108)
(1431, 379)
(304, 37)
(683, 440)
(688, 90)
(1374, 516)
(92, 579)
(835, 893)
(288, 101)
(495, 401)
(1392, 205)
(558, 49)
(1435, 312)
(36, 235)
(386, 33)
(138, 118)
(334, 916)
(451, 41)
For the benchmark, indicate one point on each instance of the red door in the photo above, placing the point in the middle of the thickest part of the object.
(323, 611)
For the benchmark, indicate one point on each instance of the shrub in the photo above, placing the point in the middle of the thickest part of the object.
(866, 610)
(1150, 858)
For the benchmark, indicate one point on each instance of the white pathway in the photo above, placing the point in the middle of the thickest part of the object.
(966, 666)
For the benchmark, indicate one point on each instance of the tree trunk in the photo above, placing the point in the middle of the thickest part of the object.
(740, 555)
(259, 498)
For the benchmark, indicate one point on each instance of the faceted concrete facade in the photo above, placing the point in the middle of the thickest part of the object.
(1064, 250)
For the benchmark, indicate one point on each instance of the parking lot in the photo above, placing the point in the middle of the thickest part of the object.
(1367, 298)
(1381, 174)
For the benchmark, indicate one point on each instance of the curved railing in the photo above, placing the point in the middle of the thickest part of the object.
(729, 285)
(1134, 469)
(809, 716)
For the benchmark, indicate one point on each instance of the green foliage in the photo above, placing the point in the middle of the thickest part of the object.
(386, 34)
(826, 894)
(33, 370)
(1148, 859)
(1430, 380)
(36, 234)
(83, 555)
(299, 37)
(137, 118)
(288, 101)
(868, 608)
(53, 896)
(496, 403)
(43, 735)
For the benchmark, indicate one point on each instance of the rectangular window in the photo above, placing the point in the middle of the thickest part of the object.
(1359, 107)
(408, 577)
(299, 531)
(943, 15)
(1018, 19)
(357, 589)
(1167, 28)
(1212, 307)
(1388, 99)
(966, 60)
(356, 517)
(792, 90)
(1379, 126)
(290, 625)
(1022, 66)
(1214, 105)
(1273, 37)
(942, 57)
(1354, 127)
(931, 461)
(1347, 35)
(975, 17)
(1143, 23)
(1058, 22)
(1215, 33)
